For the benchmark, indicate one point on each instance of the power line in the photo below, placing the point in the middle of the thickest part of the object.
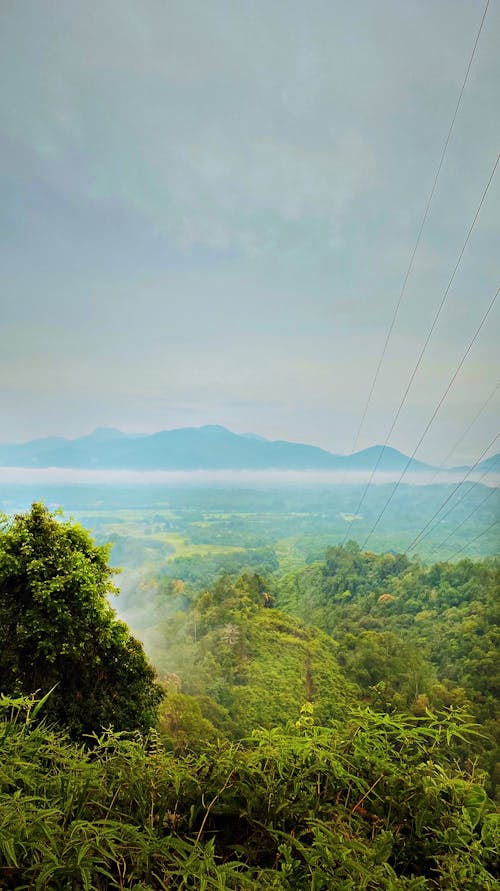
(420, 537)
(417, 243)
(464, 434)
(450, 496)
(433, 416)
(421, 355)
(492, 492)
(472, 540)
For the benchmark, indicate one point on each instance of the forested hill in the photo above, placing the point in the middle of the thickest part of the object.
(408, 637)
(413, 637)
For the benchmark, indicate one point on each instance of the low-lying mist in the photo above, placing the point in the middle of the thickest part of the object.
(224, 478)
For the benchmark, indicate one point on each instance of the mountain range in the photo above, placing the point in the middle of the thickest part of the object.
(211, 447)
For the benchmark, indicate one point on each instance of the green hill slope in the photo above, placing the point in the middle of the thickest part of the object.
(257, 663)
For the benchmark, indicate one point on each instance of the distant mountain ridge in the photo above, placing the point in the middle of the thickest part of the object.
(211, 447)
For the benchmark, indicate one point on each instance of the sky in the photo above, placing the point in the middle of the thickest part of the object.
(208, 209)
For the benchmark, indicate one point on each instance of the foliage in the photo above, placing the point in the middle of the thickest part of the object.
(256, 663)
(286, 756)
(185, 727)
(58, 630)
(411, 636)
(373, 802)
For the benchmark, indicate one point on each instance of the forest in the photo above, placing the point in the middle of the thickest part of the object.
(329, 722)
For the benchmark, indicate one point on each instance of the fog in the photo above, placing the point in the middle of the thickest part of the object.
(231, 478)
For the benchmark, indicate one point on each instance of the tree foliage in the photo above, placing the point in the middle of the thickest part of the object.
(57, 628)
(411, 636)
(257, 663)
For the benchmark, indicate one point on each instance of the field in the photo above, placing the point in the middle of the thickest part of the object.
(196, 532)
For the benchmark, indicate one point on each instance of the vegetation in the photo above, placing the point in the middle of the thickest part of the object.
(411, 636)
(329, 728)
(58, 630)
(185, 531)
(369, 802)
(233, 651)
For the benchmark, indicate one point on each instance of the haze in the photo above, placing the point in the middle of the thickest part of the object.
(209, 208)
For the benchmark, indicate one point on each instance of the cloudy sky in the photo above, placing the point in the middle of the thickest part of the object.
(208, 209)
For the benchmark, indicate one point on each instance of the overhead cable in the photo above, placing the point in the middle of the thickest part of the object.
(460, 483)
(462, 436)
(421, 355)
(483, 501)
(423, 534)
(472, 540)
(417, 242)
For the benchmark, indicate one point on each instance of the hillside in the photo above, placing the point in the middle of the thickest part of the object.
(412, 637)
(231, 647)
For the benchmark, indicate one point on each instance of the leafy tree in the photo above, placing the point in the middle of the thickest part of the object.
(57, 628)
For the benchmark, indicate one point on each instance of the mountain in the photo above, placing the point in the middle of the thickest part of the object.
(191, 448)
(489, 464)
(388, 459)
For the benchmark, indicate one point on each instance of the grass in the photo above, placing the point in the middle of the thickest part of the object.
(289, 557)
(184, 548)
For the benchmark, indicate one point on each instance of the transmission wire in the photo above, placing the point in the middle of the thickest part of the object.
(452, 508)
(469, 515)
(458, 485)
(472, 540)
(419, 360)
(464, 434)
(417, 243)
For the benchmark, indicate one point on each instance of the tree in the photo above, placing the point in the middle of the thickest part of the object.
(57, 627)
